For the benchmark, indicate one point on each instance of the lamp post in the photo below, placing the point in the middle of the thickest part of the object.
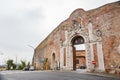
(34, 57)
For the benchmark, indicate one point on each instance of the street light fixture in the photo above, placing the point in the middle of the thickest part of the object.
(31, 47)
(34, 57)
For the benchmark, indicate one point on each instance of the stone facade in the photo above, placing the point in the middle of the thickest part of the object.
(100, 29)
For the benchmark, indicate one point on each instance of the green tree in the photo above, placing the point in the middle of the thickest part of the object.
(23, 64)
(14, 66)
(20, 67)
(28, 64)
(9, 64)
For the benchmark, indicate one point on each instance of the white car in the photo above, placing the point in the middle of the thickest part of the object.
(31, 68)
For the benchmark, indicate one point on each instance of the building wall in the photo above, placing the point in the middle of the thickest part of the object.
(100, 29)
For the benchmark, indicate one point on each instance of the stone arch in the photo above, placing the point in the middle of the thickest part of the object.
(75, 35)
(79, 38)
(79, 60)
(53, 59)
(87, 48)
(53, 56)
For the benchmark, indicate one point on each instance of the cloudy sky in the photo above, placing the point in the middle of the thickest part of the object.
(28, 22)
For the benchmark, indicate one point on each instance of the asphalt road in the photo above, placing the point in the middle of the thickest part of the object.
(52, 75)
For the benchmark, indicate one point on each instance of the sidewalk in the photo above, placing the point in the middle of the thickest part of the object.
(97, 74)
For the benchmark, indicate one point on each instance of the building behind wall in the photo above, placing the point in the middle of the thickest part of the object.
(97, 29)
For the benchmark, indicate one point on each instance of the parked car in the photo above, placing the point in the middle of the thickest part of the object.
(31, 68)
(25, 69)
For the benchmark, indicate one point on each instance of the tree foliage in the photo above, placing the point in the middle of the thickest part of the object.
(28, 64)
(10, 64)
(13, 66)
(23, 65)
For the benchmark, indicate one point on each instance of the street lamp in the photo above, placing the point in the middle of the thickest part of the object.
(34, 57)
(31, 47)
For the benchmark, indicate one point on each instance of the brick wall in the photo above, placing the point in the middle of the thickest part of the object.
(105, 19)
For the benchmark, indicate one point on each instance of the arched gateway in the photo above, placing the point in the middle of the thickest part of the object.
(53, 61)
(79, 58)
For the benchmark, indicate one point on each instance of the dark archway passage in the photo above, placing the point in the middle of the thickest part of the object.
(53, 61)
(79, 59)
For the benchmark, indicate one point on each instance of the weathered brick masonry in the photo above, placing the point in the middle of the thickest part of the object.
(100, 29)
